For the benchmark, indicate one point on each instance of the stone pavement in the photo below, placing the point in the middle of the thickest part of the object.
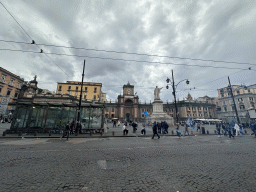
(199, 163)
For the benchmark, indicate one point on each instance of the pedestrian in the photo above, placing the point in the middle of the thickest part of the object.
(218, 130)
(177, 130)
(155, 130)
(118, 123)
(67, 131)
(198, 126)
(125, 130)
(80, 128)
(114, 123)
(143, 130)
(165, 128)
(230, 132)
(186, 129)
(134, 125)
(158, 127)
(225, 128)
(72, 126)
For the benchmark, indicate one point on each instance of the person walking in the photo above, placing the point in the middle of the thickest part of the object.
(218, 129)
(125, 130)
(72, 126)
(198, 126)
(155, 130)
(67, 131)
(143, 130)
(186, 130)
(177, 130)
(134, 125)
(230, 132)
(114, 123)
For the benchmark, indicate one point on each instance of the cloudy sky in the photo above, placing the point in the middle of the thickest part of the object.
(137, 41)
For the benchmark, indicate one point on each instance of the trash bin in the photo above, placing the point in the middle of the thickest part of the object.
(203, 130)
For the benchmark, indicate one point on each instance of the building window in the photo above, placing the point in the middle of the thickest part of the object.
(194, 115)
(142, 115)
(242, 107)
(8, 92)
(69, 87)
(95, 89)
(16, 94)
(11, 82)
(249, 90)
(94, 97)
(222, 94)
(188, 108)
(76, 88)
(0, 90)
(225, 109)
(240, 99)
(251, 98)
(238, 92)
(193, 108)
(200, 115)
(85, 89)
(60, 88)
(113, 109)
(233, 108)
(3, 78)
(84, 96)
(106, 109)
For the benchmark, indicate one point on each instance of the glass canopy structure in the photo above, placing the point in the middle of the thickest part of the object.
(45, 117)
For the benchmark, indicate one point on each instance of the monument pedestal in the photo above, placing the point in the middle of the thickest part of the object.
(158, 114)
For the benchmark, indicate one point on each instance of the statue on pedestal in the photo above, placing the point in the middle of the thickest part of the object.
(157, 92)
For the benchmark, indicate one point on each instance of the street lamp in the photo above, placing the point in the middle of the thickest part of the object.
(174, 92)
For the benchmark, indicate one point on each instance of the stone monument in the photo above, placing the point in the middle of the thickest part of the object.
(158, 114)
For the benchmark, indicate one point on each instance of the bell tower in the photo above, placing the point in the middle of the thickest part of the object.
(128, 89)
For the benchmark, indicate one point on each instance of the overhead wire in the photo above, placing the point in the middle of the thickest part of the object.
(139, 54)
(130, 60)
(31, 37)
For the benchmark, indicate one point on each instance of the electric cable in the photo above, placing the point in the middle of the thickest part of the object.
(130, 60)
(139, 54)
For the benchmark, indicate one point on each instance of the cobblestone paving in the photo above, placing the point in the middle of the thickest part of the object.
(198, 163)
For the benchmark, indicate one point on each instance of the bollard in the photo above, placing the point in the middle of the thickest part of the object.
(172, 133)
(19, 133)
(113, 133)
(207, 132)
(35, 133)
(245, 132)
(4, 133)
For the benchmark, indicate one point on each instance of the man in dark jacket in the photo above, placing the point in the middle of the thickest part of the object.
(155, 131)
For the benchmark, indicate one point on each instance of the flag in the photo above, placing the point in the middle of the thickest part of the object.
(146, 113)
(190, 123)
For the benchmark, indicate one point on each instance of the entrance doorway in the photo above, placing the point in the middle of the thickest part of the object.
(128, 117)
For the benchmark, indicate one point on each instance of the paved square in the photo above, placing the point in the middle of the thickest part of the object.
(195, 163)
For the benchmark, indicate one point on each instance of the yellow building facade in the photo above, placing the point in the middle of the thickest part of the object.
(10, 86)
(90, 91)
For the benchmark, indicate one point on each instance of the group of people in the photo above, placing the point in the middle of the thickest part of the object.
(232, 129)
(134, 128)
(161, 128)
(72, 128)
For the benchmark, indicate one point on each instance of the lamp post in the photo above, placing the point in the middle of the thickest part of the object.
(230, 88)
(174, 92)
(80, 100)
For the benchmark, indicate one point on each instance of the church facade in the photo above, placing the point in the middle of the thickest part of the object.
(129, 108)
